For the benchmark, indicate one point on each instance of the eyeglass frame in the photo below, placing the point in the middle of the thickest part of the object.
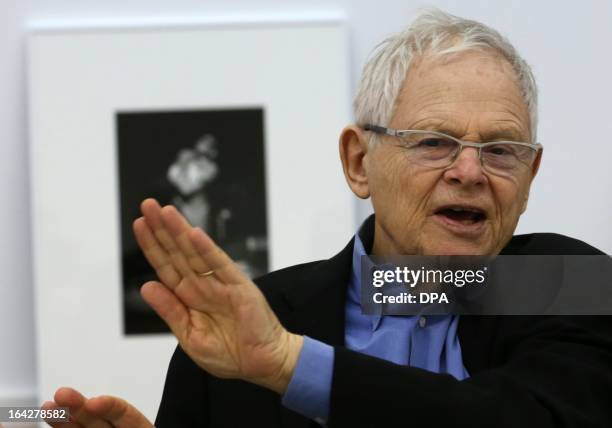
(537, 147)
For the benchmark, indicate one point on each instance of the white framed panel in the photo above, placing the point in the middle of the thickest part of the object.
(78, 81)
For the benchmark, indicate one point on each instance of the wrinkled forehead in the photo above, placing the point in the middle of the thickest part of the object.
(461, 90)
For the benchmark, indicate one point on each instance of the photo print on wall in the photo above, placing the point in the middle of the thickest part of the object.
(207, 163)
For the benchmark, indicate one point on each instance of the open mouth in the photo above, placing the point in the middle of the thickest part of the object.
(462, 215)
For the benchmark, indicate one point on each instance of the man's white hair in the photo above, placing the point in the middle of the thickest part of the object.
(433, 33)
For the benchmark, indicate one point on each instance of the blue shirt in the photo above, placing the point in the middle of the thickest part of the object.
(430, 343)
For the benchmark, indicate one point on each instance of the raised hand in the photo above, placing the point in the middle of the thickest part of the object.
(98, 412)
(221, 319)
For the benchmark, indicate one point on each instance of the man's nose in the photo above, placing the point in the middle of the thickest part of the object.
(466, 169)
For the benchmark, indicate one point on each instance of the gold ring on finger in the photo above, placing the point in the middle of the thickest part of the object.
(205, 274)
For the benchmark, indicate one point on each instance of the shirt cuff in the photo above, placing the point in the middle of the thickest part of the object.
(310, 386)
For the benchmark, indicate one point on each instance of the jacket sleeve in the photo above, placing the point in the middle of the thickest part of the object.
(551, 372)
(185, 399)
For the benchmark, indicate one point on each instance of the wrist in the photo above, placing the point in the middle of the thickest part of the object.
(292, 346)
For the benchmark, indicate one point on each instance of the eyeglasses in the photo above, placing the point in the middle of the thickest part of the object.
(437, 150)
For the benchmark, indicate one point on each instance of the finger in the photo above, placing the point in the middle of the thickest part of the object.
(179, 229)
(151, 210)
(75, 401)
(50, 405)
(225, 268)
(167, 305)
(211, 287)
(69, 397)
(157, 256)
(117, 411)
(152, 214)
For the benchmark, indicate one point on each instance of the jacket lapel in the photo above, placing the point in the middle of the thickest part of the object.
(317, 302)
(317, 310)
(477, 333)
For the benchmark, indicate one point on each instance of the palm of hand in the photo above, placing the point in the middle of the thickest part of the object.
(233, 334)
(222, 320)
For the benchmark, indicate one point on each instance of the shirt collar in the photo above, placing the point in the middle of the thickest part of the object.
(364, 239)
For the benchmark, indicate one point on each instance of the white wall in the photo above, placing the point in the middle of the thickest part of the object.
(566, 43)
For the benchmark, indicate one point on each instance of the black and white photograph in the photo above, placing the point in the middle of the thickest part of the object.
(207, 163)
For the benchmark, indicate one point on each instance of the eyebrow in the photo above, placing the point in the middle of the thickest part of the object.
(505, 134)
(497, 130)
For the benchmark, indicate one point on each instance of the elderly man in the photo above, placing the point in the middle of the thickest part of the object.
(444, 146)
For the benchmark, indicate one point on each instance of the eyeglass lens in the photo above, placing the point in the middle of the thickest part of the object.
(438, 152)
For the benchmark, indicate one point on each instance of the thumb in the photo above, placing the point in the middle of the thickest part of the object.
(165, 303)
(117, 411)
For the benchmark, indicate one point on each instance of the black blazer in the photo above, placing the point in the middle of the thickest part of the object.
(524, 371)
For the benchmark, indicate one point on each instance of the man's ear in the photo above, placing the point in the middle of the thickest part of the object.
(353, 153)
(534, 171)
(536, 164)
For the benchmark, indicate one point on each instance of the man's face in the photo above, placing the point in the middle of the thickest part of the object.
(474, 97)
